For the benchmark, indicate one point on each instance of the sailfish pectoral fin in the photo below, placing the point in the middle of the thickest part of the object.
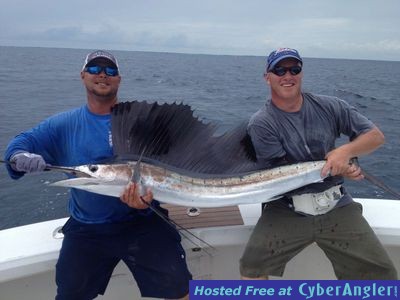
(136, 174)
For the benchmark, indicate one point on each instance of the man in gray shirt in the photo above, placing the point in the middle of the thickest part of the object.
(295, 127)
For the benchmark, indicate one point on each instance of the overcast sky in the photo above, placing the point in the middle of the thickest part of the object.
(359, 29)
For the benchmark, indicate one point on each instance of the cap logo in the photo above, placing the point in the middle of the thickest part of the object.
(280, 54)
(284, 49)
(100, 54)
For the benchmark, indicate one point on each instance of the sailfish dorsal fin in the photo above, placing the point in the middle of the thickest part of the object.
(171, 134)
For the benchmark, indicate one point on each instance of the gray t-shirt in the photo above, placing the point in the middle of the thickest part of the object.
(308, 134)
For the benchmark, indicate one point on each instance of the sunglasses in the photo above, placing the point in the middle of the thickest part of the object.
(95, 70)
(280, 71)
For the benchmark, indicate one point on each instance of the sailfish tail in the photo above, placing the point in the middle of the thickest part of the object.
(379, 183)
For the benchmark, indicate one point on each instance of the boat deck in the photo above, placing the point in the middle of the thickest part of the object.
(28, 253)
(205, 217)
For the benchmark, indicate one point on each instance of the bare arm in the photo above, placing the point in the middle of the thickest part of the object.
(338, 159)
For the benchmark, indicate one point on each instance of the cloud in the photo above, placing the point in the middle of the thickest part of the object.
(318, 28)
(324, 23)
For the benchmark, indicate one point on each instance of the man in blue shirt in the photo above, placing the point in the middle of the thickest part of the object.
(102, 230)
(294, 126)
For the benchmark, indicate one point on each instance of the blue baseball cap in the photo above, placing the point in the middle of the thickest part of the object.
(277, 55)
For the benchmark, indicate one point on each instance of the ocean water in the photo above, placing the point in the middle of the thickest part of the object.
(38, 82)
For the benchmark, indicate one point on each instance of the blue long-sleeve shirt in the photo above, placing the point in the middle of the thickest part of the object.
(74, 138)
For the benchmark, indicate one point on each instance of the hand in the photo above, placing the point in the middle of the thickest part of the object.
(354, 172)
(131, 196)
(27, 162)
(337, 163)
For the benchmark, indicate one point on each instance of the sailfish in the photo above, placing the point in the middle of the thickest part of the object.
(185, 162)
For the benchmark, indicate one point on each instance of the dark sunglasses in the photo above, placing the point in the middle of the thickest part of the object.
(95, 70)
(280, 71)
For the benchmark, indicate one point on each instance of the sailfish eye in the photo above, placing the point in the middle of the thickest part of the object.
(93, 168)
